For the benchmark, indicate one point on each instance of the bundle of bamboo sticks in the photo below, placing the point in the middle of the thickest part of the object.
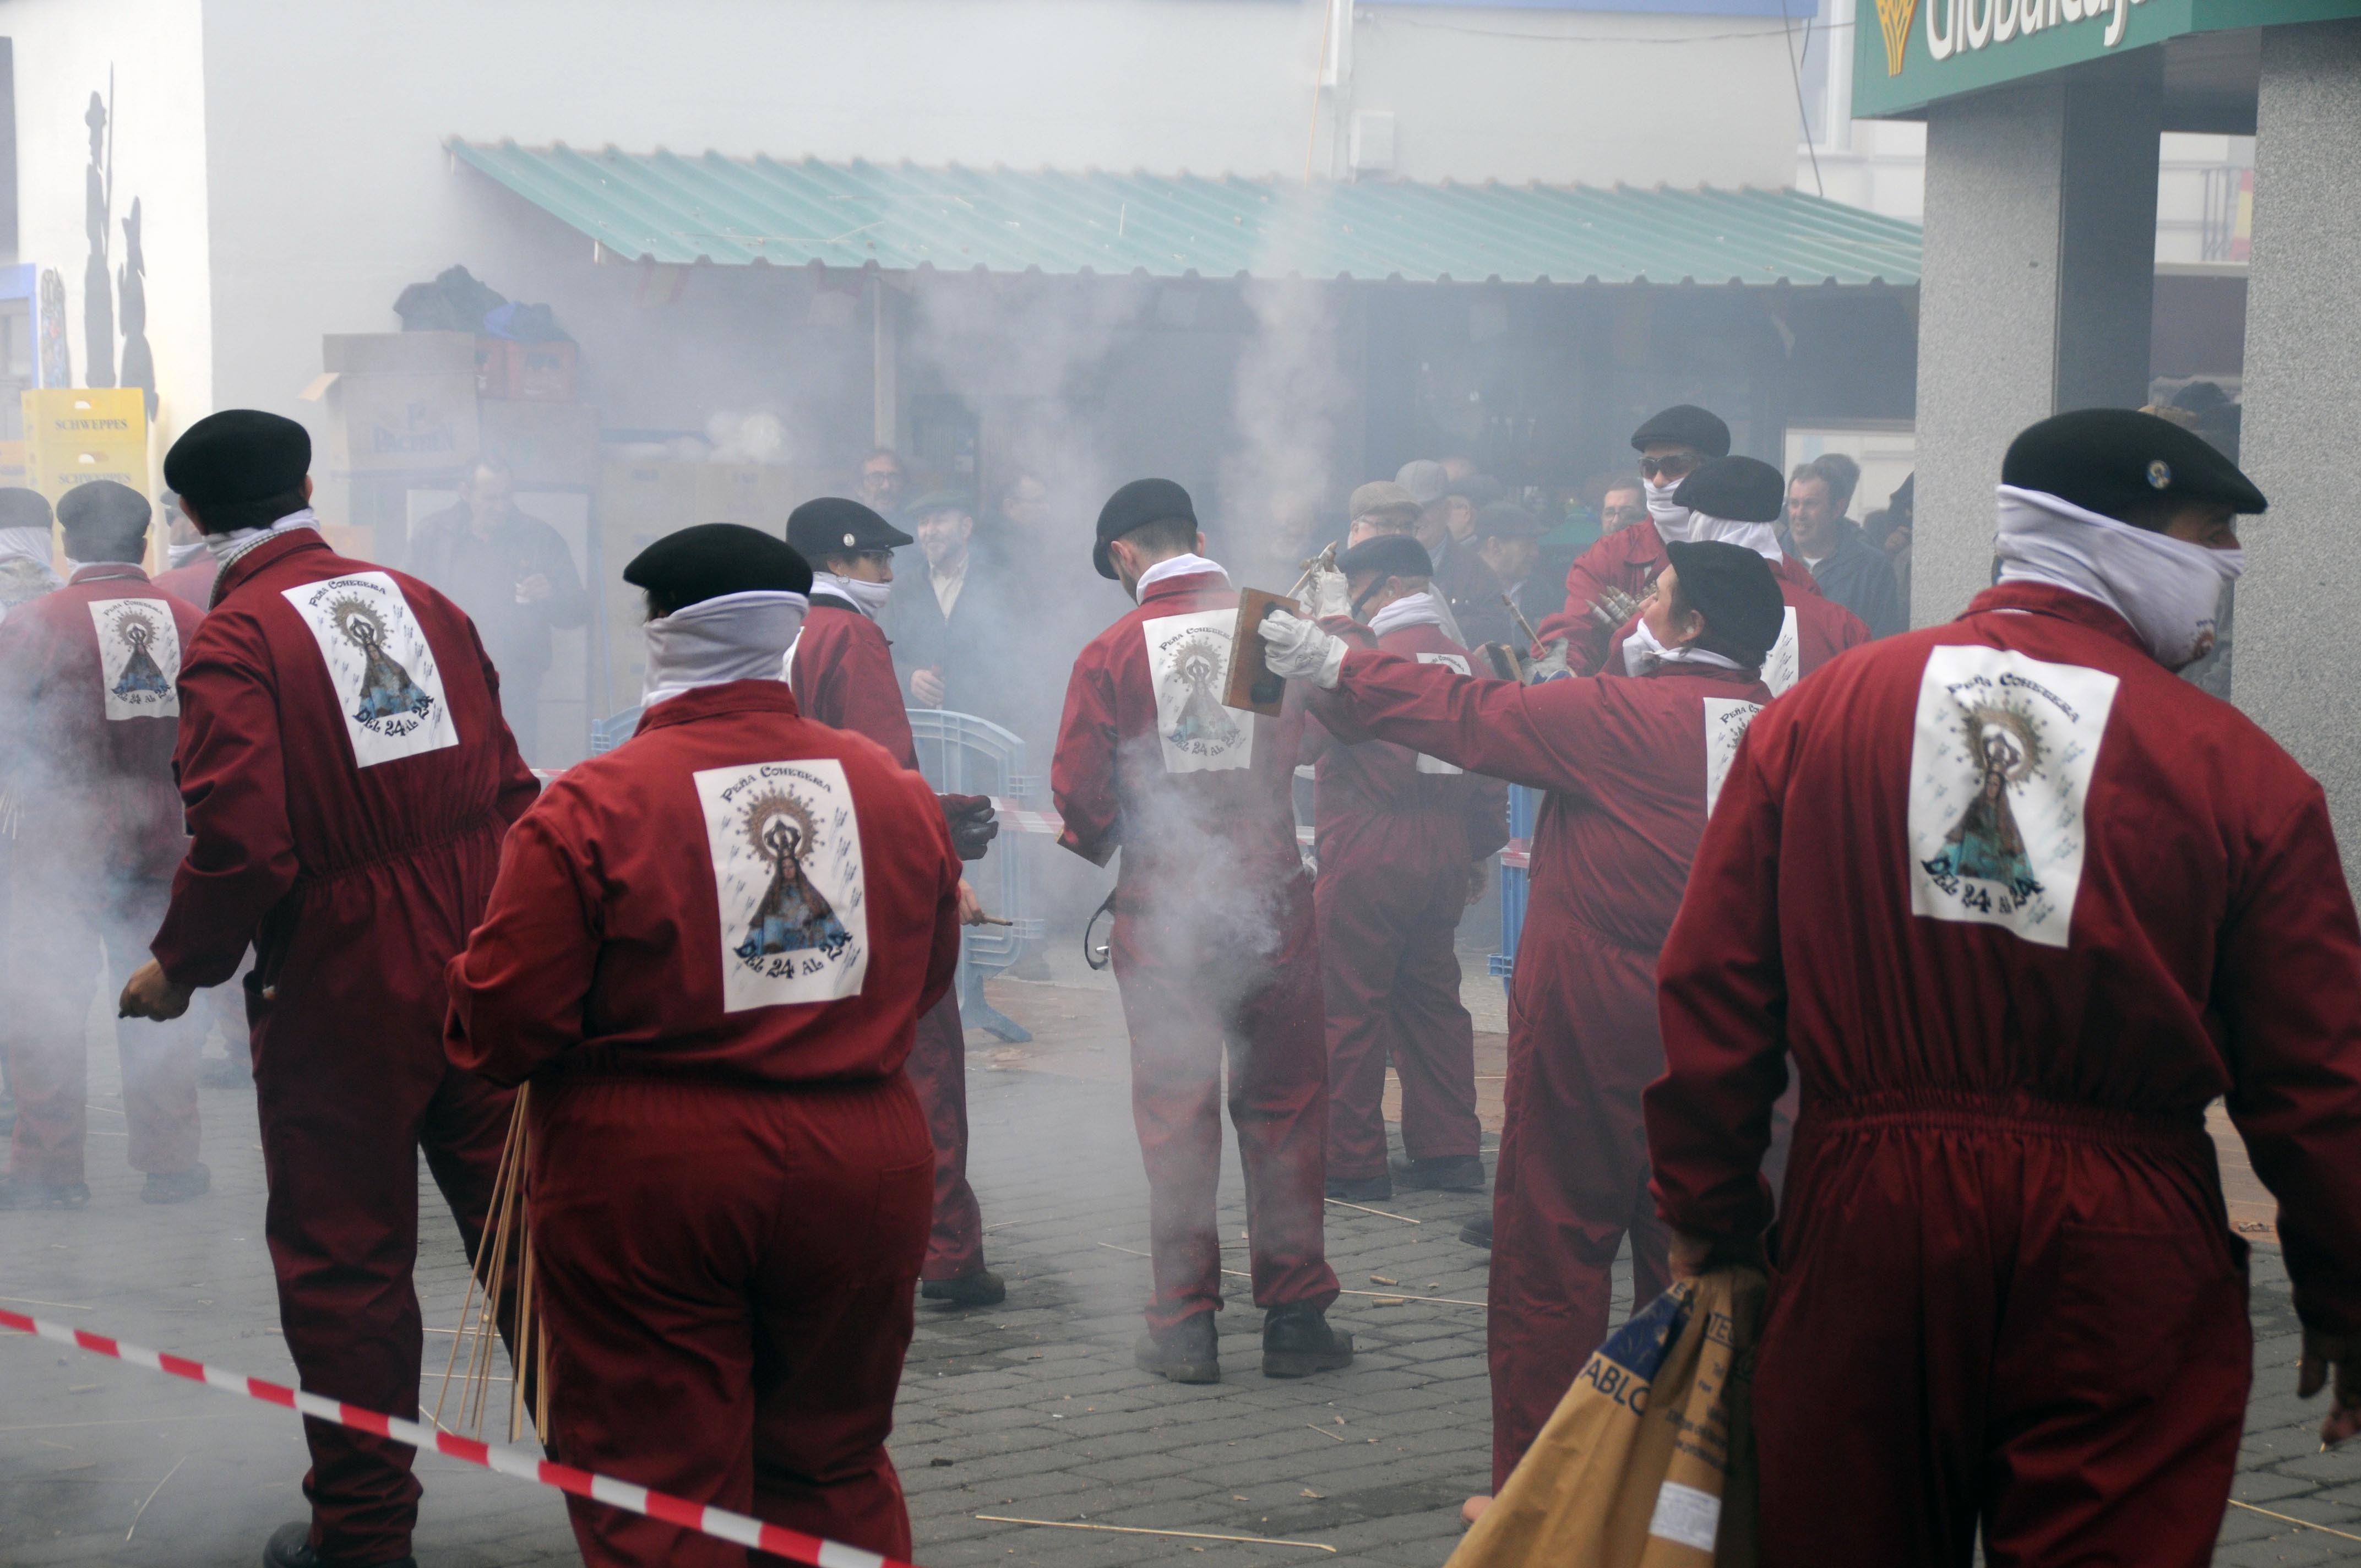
(507, 1234)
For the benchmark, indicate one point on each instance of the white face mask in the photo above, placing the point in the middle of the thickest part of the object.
(867, 596)
(1642, 654)
(736, 637)
(2169, 590)
(1760, 537)
(1671, 520)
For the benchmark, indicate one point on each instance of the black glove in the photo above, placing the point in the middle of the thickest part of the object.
(972, 824)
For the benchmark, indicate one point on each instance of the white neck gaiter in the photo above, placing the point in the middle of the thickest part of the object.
(1178, 566)
(1643, 655)
(1762, 538)
(184, 553)
(228, 547)
(737, 637)
(1411, 609)
(868, 598)
(1672, 520)
(26, 545)
(2169, 590)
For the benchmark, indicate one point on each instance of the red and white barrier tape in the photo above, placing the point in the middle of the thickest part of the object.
(722, 1525)
(1517, 854)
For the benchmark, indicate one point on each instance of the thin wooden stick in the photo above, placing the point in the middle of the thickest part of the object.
(540, 1391)
(490, 1319)
(1381, 1214)
(1176, 1534)
(508, 1152)
(2287, 1519)
(520, 1354)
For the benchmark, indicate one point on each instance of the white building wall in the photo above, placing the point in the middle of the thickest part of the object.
(330, 192)
(64, 51)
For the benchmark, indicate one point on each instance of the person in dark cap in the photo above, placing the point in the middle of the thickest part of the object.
(1213, 938)
(1402, 840)
(1630, 767)
(1506, 539)
(950, 627)
(707, 952)
(2021, 905)
(842, 672)
(26, 545)
(89, 711)
(347, 780)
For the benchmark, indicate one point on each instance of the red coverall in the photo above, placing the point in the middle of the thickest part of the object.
(729, 1192)
(1630, 558)
(844, 677)
(2007, 1291)
(1626, 765)
(1213, 941)
(1397, 836)
(87, 720)
(355, 878)
(193, 582)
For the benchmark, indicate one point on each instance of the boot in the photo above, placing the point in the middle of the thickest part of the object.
(176, 1185)
(981, 1288)
(25, 1193)
(1443, 1173)
(1361, 1189)
(291, 1547)
(1185, 1353)
(1477, 1232)
(1297, 1341)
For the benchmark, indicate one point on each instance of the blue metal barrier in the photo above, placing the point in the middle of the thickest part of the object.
(961, 754)
(1515, 881)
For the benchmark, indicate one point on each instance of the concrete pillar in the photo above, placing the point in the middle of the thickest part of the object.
(2299, 667)
(2036, 292)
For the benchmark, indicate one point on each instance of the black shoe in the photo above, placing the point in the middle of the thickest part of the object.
(1297, 1341)
(176, 1185)
(24, 1192)
(1360, 1189)
(1443, 1173)
(1477, 1232)
(291, 1547)
(224, 1072)
(982, 1288)
(1186, 1354)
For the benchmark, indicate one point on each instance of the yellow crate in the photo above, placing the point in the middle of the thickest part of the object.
(76, 435)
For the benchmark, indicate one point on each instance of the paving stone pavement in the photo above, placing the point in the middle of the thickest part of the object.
(1030, 1411)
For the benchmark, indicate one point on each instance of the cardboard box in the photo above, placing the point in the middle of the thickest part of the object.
(527, 372)
(399, 353)
(76, 435)
(650, 497)
(545, 444)
(393, 424)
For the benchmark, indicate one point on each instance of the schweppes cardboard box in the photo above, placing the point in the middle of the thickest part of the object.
(75, 435)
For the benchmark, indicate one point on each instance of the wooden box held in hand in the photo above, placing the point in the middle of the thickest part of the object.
(1252, 685)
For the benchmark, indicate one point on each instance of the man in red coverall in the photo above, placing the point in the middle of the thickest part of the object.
(1602, 585)
(2021, 905)
(842, 672)
(1214, 939)
(1399, 834)
(347, 780)
(1630, 767)
(88, 713)
(190, 576)
(709, 949)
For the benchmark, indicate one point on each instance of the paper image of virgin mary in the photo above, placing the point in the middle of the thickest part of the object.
(1986, 843)
(1202, 725)
(793, 916)
(141, 674)
(386, 687)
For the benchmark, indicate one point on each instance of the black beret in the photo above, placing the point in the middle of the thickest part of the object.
(239, 454)
(711, 559)
(1732, 588)
(1735, 489)
(105, 505)
(1503, 520)
(2114, 461)
(1387, 556)
(1688, 425)
(942, 500)
(835, 526)
(21, 508)
(1137, 505)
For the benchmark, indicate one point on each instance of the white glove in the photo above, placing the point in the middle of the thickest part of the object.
(1299, 651)
(1550, 666)
(1327, 595)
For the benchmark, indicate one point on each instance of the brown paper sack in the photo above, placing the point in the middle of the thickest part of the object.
(1648, 1461)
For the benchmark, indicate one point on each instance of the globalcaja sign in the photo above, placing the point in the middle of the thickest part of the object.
(1922, 51)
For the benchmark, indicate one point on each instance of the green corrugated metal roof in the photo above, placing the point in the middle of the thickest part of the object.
(668, 208)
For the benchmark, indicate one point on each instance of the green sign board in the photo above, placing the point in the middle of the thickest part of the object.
(1918, 51)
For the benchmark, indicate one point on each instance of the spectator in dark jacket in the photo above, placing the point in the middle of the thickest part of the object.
(950, 618)
(1848, 569)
